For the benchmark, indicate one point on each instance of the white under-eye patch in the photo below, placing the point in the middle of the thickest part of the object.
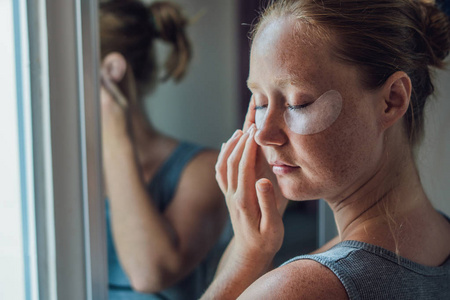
(311, 119)
(260, 117)
(317, 116)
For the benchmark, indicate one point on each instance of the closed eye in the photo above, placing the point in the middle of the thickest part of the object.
(298, 107)
(259, 107)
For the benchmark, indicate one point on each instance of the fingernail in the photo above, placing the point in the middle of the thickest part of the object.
(235, 134)
(263, 187)
(221, 148)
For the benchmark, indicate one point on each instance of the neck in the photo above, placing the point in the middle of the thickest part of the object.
(150, 145)
(144, 134)
(375, 204)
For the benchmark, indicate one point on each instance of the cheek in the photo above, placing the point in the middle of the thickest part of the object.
(359, 151)
(336, 158)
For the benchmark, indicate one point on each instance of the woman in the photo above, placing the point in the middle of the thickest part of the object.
(339, 88)
(165, 210)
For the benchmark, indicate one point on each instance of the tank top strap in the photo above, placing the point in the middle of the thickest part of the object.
(164, 184)
(329, 259)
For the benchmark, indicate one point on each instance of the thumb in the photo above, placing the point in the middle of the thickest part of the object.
(268, 204)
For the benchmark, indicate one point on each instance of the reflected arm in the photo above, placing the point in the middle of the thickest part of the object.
(156, 250)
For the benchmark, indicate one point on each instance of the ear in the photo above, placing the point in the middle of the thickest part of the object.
(114, 65)
(396, 93)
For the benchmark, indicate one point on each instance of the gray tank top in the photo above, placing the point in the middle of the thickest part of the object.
(370, 272)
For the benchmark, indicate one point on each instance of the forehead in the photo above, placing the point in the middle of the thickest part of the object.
(290, 49)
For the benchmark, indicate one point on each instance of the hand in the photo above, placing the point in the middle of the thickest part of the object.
(252, 204)
(250, 116)
(114, 110)
(263, 169)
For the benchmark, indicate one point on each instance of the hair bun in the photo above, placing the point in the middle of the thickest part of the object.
(170, 26)
(436, 31)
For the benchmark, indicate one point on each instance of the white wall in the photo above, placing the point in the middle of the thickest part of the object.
(204, 107)
(434, 155)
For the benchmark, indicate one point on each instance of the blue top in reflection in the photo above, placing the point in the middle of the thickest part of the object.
(162, 189)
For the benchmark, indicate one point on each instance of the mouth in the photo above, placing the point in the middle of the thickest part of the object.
(283, 168)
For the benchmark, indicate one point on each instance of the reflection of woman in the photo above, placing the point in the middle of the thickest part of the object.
(165, 210)
(339, 88)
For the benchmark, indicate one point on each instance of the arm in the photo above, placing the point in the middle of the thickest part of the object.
(256, 221)
(302, 279)
(157, 250)
(262, 172)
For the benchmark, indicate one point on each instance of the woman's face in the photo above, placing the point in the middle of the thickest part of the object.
(317, 125)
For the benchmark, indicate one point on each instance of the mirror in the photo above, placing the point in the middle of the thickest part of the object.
(179, 241)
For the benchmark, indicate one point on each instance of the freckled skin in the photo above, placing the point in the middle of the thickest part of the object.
(336, 161)
(362, 165)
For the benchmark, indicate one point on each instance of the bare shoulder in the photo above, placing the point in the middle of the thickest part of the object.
(206, 158)
(200, 172)
(197, 212)
(197, 188)
(302, 279)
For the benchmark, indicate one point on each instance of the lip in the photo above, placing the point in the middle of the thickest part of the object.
(282, 168)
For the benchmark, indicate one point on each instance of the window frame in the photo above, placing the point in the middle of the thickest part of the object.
(61, 149)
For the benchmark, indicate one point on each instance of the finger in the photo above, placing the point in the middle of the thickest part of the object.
(233, 163)
(247, 176)
(248, 202)
(270, 217)
(228, 147)
(219, 177)
(250, 116)
(221, 165)
(113, 90)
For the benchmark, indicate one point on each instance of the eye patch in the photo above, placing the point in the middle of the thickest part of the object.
(310, 119)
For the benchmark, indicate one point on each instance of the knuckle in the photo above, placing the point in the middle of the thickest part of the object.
(218, 166)
(218, 177)
(241, 204)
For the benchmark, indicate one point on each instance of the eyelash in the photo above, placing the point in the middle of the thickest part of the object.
(298, 107)
(290, 107)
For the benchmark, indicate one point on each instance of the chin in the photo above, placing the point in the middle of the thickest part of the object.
(298, 192)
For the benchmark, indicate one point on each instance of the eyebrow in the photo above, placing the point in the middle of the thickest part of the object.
(289, 80)
(280, 82)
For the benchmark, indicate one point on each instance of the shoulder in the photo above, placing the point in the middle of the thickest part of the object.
(201, 168)
(206, 156)
(301, 279)
(197, 185)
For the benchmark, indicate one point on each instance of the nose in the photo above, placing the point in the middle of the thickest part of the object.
(272, 131)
